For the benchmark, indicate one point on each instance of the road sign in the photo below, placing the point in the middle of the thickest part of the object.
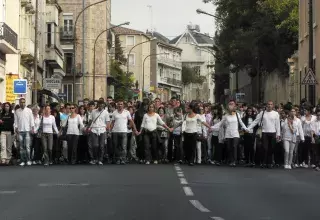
(310, 78)
(240, 97)
(52, 83)
(20, 86)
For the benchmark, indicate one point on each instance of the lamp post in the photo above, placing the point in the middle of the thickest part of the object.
(199, 11)
(143, 68)
(131, 51)
(94, 55)
(74, 46)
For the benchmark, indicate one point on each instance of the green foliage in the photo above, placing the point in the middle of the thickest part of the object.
(189, 75)
(259, 33)
(122, 81)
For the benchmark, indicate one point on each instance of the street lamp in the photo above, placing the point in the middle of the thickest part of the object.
(74, 46)
(143, 68)
(94, 56)
(199, 11)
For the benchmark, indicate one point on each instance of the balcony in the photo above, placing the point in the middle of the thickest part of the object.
(27, 51)
(170, 62)
(29, 5)
(171, 81)
(8, 39)
(65, 35)
(54, 57)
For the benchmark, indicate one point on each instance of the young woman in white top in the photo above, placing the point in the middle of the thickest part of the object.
(149, 128)
(290, 129)
(231, 122)
(46, 124)
(35, 150)
(74, 124)
(190, 132)
(316, 139)
(307, 130)
(202, 135)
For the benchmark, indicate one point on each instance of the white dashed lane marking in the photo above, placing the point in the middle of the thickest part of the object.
(183, 181)
(199, 206)
(62, 184)
(188, 191)
(7, 192)
(216, 218)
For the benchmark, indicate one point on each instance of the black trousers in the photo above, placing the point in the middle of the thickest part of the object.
(279, 153)
(36, 148)
(218, 148)
(150, 139)
(178, 149)
(268, 142)
(232, 144)
(83, 151)
(307, 150)
(189, 146)
(72, 147)
(171, 152)
(249, 151)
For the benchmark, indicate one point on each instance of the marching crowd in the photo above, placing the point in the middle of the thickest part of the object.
(152, 131)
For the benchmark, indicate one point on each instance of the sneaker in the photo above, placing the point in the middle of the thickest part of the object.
(147, 163)
(191, 164)
(155, 162)
(285, 166)
(29, 163)
(34, 163)
(100, 163)
(51, 163)
(92, 162)
(46, 164)
(218, 164)
(317, 168)
(313, 166)
(180, 162)
(289, 167)
(22, 164)
(118, 162)
(296, 165)
(39, 162)
(306, 166)
(123, 163)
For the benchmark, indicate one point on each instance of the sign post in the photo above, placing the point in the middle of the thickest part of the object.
(20, 86)
(52, 83)
(310, 78)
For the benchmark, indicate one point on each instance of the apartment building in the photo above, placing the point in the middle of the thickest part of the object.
(166, 66)
(138, 44)
(197, 54)
(303, 53)
(90, 24)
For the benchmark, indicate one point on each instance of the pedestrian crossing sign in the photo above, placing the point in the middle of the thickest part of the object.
(310, 78)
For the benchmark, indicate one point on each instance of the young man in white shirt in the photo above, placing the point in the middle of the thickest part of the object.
(270, 123)
(24, 124)
(99, 120)
(119, 129)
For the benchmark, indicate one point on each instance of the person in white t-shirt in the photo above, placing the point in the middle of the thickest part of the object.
(119, 129)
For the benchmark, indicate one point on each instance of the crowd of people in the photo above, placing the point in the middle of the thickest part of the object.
(152, 131)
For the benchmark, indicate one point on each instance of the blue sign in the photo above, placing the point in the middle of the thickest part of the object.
(20, 86)
(62, 95)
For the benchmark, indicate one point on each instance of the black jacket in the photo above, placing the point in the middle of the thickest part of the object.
(8, 120)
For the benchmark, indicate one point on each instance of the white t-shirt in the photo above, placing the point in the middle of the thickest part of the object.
(48, 123)
(192, 123)
(74, 124)
(150, 122)
(120, 121)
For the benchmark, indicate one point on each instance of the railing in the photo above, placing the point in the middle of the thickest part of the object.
(170, 62)
(27, 46)
(66, 35)
(7, 34)
(171, 81)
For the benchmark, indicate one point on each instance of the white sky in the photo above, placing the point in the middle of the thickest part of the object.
(170, 17)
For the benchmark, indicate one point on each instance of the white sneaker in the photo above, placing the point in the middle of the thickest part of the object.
(29, 163)
(100, 163)
(22, 164)
(285, 166)
(296, 165)
(313, 166)
(147, 163)
(92, 162)
(155, 162)
(289, 167)
(34, 163)
(306, 166)
(39, 162)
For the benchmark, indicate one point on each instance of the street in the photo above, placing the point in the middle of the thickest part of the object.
(158, 192)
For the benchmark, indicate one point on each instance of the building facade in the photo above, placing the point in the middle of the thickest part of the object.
(303, 53)
(166, 67)
(197, 54)
(90, 24)
(137, 44)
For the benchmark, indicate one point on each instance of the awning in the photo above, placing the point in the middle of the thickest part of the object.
(50, 94)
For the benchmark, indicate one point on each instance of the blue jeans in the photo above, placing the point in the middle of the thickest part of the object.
(25, 140)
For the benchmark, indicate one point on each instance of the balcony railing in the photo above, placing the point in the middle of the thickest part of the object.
(171, 81)
(66, 35)
(170, 62)
(7, 34)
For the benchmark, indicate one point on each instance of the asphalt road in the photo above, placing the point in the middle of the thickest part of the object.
(157, 192)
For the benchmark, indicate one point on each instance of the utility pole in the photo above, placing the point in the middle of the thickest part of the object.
(312, 88)
(35, 61)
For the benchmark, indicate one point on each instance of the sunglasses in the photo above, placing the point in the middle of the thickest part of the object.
(72, 107)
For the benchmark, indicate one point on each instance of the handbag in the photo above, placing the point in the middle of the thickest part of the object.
(40, 130)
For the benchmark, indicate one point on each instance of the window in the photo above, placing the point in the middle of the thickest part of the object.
(197, 70)
(68, 25)
(68, 62)
(130, 41)
(49, 35)
(161, 72)
(132, 60)
(67, 90)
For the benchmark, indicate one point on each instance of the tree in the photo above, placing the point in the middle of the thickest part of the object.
(259, 33)
(189, 75)
(122, 81)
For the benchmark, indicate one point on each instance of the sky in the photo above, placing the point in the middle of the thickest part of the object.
(170, 17)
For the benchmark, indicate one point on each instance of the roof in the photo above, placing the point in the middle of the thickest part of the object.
(125, 31)
(160, 37)
(199, 37)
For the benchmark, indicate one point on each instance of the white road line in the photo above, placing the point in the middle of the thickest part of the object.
(180, 175)
(217, 218)
(183, 181)
(8, 192)
(63, 184)
(199, 206)
(178, 168)
(181, 172)
(188, 191)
